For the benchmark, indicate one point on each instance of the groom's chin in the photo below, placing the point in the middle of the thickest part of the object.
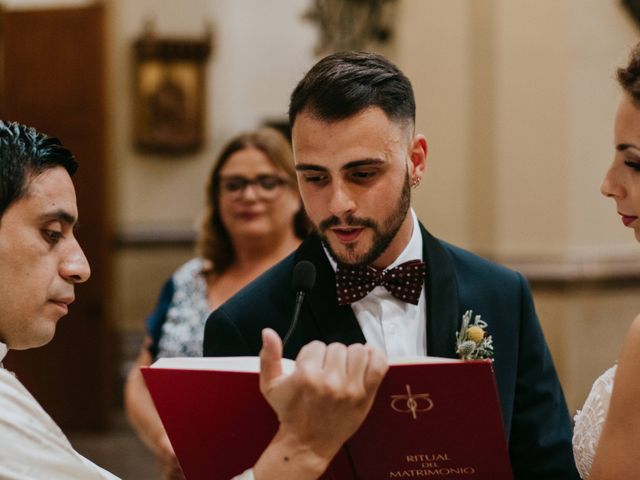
(345, 254)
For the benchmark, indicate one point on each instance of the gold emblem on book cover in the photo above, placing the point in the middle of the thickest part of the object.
(413, 403)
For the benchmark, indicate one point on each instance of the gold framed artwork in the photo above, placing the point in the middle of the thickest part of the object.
(170, 93)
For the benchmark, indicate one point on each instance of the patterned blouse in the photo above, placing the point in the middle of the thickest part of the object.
(176, 326)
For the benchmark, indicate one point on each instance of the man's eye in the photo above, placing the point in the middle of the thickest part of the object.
(364, 174)
(52, 236)
(314, 178)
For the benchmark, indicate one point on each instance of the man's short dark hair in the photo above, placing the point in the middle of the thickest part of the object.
(343, 84)
(24, 154)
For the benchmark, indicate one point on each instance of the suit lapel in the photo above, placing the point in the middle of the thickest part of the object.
(442, 298)
(337, 323)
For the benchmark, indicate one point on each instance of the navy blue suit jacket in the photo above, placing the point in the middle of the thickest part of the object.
(534, 411)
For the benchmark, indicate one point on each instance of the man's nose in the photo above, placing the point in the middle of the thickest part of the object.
(75, 266)
(341, 202)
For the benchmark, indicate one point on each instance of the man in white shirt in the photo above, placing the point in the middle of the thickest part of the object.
(40, 264)
(382, 278)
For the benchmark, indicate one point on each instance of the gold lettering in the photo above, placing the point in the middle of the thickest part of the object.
(432, 472)
(400, 474)
(428, 457)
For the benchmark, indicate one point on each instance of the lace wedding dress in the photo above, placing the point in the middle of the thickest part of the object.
(590, 420)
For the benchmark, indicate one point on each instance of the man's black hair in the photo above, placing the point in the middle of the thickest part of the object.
(24, 154)
(343, 84)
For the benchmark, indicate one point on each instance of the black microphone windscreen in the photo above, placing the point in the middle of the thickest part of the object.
(304, 276)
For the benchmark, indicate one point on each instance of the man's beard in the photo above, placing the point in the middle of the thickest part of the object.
(383, 233)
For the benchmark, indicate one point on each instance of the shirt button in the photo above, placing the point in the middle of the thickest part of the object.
(391, 328)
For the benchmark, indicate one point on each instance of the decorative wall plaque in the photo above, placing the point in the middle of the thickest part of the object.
(351, 24)
(170, 93)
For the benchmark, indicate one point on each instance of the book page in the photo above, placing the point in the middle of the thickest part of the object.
(222, 364)
(252, 364)
(419, 360)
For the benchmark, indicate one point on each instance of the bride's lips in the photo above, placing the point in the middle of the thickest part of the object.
(347, 234)
(627, 219)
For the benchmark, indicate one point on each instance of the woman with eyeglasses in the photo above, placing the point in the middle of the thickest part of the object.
(254, 218)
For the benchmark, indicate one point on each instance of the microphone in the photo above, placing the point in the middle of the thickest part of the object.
(304, 276)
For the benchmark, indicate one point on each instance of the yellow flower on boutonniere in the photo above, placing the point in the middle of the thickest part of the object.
(472, 340)
(475, 333)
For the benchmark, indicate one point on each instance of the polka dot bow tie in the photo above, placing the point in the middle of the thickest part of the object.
(404, 281)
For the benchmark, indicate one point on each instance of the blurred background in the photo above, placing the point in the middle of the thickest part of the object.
(516, 98)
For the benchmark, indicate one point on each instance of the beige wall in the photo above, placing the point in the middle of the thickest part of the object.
(530, 125)
(517, 99)
(585, 328)
(432, 48)
(260, 50)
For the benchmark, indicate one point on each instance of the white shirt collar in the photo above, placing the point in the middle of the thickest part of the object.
(412, 251)
(3, 352)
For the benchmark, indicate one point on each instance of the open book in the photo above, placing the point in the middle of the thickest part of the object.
(432, 417)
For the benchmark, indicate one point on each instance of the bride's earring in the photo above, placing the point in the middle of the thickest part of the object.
(415, 182)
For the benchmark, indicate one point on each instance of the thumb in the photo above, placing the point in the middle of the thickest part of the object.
(270, 358)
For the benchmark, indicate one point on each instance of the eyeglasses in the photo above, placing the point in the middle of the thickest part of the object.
(266, 187)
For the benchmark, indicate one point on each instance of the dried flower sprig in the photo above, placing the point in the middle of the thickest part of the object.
(472, 340)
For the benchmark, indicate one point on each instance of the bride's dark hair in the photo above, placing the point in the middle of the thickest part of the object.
(629, 76)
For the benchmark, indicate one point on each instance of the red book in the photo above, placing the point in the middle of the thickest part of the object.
(432, 417)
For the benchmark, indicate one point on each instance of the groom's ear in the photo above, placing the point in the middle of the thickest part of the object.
(417, 157)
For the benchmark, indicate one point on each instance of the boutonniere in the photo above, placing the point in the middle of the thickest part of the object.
(472, 341)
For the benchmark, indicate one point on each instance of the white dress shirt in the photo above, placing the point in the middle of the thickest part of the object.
(32, 446)
(399, 328)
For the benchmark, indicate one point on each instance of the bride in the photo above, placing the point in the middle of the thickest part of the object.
(606, 440)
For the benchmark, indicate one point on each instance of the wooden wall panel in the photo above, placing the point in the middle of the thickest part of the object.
(53, 78)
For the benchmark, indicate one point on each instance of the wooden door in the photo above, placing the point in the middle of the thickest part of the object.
(53, 78)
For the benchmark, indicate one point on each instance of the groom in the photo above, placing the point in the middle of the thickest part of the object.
(357, 158)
